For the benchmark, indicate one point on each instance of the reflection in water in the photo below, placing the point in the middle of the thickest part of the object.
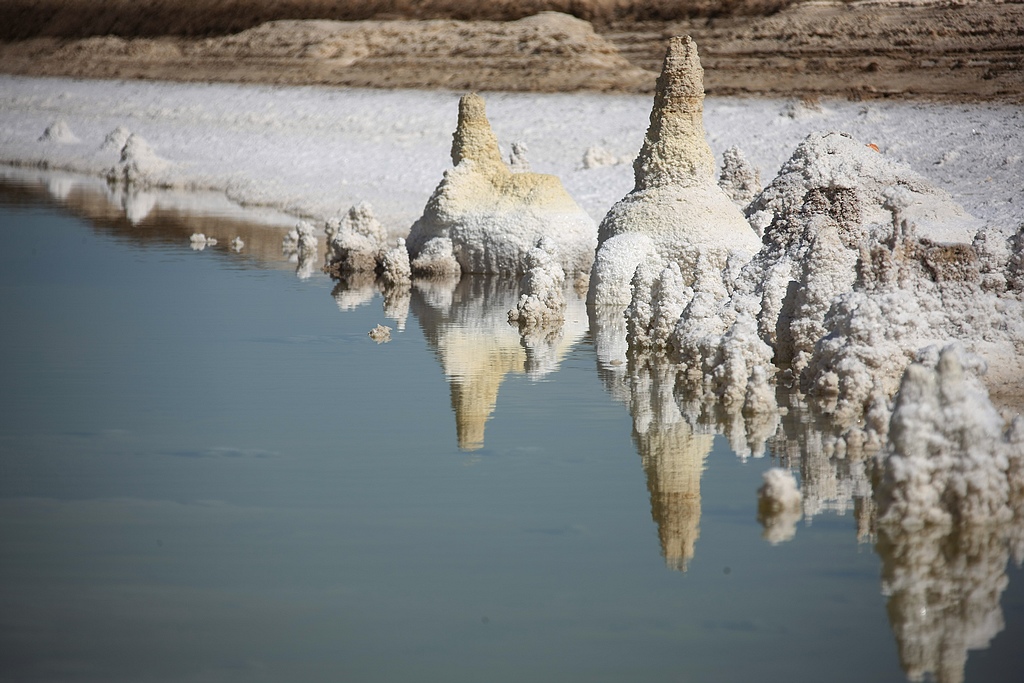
(154, 216)
(467, 326)
(672, 456)
(944, 587)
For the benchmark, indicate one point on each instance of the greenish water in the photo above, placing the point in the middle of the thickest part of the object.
(209, 472)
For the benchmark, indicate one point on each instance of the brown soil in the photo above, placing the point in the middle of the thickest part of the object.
(936, 49)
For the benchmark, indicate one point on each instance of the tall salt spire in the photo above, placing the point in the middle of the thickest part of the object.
(473, 138)
(675, 151)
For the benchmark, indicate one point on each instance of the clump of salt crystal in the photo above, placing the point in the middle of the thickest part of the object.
(951, 459)
(115, 139)
(198, 241)
(138, 165)
(356, 241)
(542, 302)
(60, 132)
(395, 268)
(436, 259)
(380, 334)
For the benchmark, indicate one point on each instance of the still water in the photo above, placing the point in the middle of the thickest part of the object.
(209, 472)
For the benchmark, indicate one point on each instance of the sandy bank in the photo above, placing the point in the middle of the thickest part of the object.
(938, 50)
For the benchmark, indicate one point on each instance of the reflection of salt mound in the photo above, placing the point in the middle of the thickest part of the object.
(467, 326)
(951, 460)
(778, 505)
(676, 212)
(493, 216)
(139, 165)
(943, 590)
(60, 132)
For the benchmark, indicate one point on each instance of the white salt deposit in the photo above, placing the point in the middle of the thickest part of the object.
(493, 216)
(139, 165)
(738, 178)
(60, 132)
(952, 460)
(675, 202)
(436, 259)
(380, 334)
(356, 242)
(542, 302)
(395, 268)
(198, 241)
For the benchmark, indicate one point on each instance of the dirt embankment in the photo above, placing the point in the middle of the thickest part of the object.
(933, 49)
(943, 50)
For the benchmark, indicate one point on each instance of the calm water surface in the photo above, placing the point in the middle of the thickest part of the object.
(209, 472)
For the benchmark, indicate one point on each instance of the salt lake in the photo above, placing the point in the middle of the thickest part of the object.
(211, 472)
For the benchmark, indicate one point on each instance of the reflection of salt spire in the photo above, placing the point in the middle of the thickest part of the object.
(673, 459)
(675, 151)
(477, 348)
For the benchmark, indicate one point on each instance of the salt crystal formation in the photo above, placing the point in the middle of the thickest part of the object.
(381, 334)
(198, 241)
(738, 178)
(951, 459)
(436, 259)
(300, 246)
(60, 132)
(115, 139)
(542, 302)
(356, 242)
(778, 505)
(138, 166)
(493, 216)
(951, 506)
(675, 213)
(863, 263)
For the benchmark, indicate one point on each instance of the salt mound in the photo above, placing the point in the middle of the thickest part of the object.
(675, 203)
(436, 259)
(59, 131)
(139, 165)
(115, 139)
(493, 216)
(356, 242)
(951, 459)
(542, 303)
(831, 174)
